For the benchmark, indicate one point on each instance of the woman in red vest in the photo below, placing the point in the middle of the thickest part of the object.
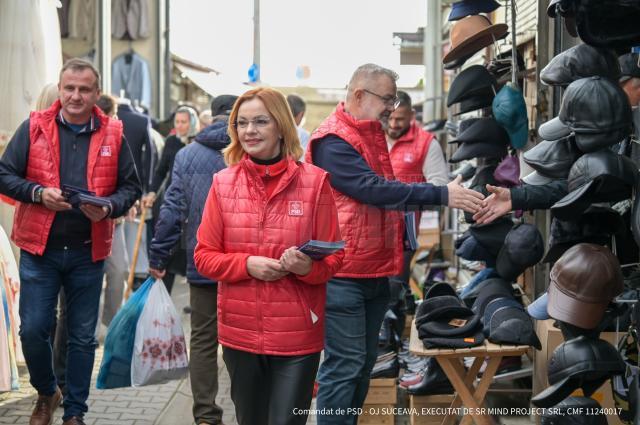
(271, 296)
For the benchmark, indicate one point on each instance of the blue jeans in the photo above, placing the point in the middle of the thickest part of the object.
(354, 313)
(41, 278)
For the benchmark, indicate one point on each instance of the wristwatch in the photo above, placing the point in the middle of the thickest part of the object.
(37, 195)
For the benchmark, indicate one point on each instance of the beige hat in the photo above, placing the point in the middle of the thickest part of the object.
(471, 34)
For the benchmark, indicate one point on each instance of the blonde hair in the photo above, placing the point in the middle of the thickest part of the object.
(278, 108)
(47, 97)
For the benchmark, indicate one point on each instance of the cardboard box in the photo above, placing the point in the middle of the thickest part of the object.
(551, 338)
(377, 414)
(423, 403)
(382, 391)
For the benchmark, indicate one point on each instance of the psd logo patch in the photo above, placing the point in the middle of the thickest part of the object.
(408, 157)
(295, 208)
(105, 150)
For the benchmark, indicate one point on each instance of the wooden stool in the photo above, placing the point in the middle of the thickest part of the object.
(468, 394)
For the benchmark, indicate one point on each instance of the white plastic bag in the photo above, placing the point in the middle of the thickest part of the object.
(160, 351)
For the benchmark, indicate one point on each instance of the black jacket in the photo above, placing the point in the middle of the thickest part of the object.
(163, 171)
(184, 200)
(136, 131)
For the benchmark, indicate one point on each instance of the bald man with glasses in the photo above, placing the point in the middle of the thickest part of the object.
(350, 144)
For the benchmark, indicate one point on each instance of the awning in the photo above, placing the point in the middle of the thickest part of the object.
(212, 83)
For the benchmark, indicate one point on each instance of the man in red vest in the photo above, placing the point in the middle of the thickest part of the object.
(72, 143)
(350, 144)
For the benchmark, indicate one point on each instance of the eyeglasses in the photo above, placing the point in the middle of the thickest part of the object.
(387, 100)
(259, 122)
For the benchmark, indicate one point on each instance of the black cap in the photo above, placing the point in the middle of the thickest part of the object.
(608, 23)
(630, 65)
(553, 158)
(595, 225)
(462, 126)
(602, 176)
(471, 296)
(493, 289)
(471, 250)
(579, 363)
(495, 305)
(475, 103)
(482, 130)
(472, 82)
(512, 325)
(486, 149)
(492, 235)
(523, 247)
(222, 104)
(596, 109)
(579, 62)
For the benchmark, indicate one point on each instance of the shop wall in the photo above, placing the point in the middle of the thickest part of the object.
(147, 48)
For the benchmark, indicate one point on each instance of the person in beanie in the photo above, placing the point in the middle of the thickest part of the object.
(71, 143)
(183, 204)
(271, 296)
(350, 144)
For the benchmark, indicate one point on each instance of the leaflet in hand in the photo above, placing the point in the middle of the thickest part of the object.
(76, 196)
(317, 250)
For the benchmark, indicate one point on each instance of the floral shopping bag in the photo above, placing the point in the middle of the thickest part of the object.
(160, 352)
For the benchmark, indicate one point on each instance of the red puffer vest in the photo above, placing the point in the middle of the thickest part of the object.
(373, 235)
(283, 317)
(408, 154)
(32, 222)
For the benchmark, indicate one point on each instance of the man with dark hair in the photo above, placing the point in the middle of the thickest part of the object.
(416, 155)
(298, 109)
(71, 143)
(183, 203)
(350, 145)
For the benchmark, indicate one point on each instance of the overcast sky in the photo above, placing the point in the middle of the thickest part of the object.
(332, 37)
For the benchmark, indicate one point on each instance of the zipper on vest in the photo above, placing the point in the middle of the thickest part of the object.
(259, 287)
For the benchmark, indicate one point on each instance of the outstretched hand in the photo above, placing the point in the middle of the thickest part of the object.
(496, 205)
(462, 198)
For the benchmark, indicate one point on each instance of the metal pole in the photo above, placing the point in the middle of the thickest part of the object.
(163, 70)
(256, 35)
(103, 51)
(432, 56)
(514, 48)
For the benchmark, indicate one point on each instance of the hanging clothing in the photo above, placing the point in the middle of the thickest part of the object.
(130, 72)
(129, 19)
(82, 20)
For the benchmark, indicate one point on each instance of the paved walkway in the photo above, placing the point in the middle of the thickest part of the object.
(167, 404)
(156, 404)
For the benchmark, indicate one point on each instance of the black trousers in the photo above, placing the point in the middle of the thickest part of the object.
(271, 390)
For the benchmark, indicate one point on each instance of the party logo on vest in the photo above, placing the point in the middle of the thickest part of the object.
(408, 157)
(105, 150)
(295, 208)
